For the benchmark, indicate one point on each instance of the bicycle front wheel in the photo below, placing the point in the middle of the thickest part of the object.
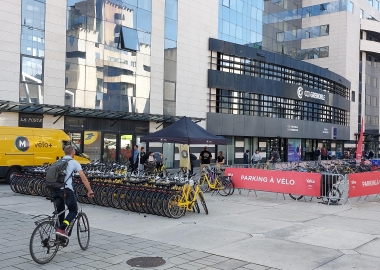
(202, 199)
(83, 231)
(43, 243)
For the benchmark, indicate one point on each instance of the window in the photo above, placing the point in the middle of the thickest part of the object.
(128, 39)
(350, 7)
(353, 96)
(280, 37)
(169, 91)
(170, 29)
(171, 9)
(31, 70)
(361, 14)
(325, 30)
(323, 52)
(307, 34)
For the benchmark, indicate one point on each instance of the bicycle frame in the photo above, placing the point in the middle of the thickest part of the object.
(216, 185)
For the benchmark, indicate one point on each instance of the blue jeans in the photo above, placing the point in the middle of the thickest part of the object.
(62, 197)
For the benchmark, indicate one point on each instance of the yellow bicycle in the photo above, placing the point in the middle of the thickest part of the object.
(212, 181)
(187, 200)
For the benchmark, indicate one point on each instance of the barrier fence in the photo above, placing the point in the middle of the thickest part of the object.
(330, 187)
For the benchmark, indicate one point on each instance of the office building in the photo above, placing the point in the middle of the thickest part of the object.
(288, 74)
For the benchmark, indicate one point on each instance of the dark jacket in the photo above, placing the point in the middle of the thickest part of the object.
(193, 158)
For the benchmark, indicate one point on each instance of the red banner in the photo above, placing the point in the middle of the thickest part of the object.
(362, 184)
(300, 183)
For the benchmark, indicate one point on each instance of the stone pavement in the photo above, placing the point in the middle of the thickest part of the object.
(241, 232)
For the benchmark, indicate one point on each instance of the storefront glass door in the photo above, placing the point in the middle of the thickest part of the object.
(109, 147)
(126, 147)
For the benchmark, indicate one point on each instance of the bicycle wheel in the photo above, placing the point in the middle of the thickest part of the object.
(296, 197)
(334, 195)
(227, 188)
(43, 243)
(200, 196)
(83, 231)
(174, 210)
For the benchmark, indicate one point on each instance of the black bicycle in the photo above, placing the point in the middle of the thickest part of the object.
(44, 243)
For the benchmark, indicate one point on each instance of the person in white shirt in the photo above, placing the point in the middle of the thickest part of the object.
(256, 157)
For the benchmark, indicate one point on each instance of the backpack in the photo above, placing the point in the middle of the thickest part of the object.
(56, 173)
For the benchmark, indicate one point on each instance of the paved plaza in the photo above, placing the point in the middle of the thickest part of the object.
(240, 232)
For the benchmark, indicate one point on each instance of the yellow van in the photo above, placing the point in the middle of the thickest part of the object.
(22, 147)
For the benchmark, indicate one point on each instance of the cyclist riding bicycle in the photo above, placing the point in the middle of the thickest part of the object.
(66, 195)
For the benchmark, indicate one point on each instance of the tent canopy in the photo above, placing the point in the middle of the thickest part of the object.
(184, 131)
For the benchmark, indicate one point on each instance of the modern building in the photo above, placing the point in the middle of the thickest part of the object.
(288, 74)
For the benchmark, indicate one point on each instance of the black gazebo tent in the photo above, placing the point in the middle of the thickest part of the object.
(184, 131)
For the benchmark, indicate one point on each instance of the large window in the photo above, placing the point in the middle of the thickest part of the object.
(255, 68)
(108, 47)
(32, 51)
(244, 103)
(170, 55)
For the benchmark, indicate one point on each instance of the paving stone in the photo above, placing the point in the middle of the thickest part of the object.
(177, 260)
(216, 258)
(229, 264)
(252, 266)
(98, 264)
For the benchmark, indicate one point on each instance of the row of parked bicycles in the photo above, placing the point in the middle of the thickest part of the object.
(339, 166)
(142, 192)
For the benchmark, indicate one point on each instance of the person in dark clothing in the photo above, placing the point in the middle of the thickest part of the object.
(246, 158)
(193, 158)
(317, 154)
(275, 157)
(205, 158)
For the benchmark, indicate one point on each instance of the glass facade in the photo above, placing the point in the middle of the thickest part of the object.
(375, 4)
(244, 103)
(108, 54)
(274, 25)
(254, 68)
(170, 55)
(32, 51)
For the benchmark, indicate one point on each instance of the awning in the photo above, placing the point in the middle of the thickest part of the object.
(59, 111)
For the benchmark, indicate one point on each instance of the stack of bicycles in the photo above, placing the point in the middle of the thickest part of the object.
(114, 187)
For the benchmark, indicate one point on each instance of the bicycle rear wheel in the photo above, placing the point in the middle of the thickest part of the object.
(226, 187)
(43, 244)
(83, 231)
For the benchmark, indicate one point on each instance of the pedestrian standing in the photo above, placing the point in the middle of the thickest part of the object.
(256, 157)
(317, 154)
(142, 159)
(193, 158)
(205, 158)
(135, 157)
(246, 158)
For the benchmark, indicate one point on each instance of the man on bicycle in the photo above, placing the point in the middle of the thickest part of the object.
(66, 195)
